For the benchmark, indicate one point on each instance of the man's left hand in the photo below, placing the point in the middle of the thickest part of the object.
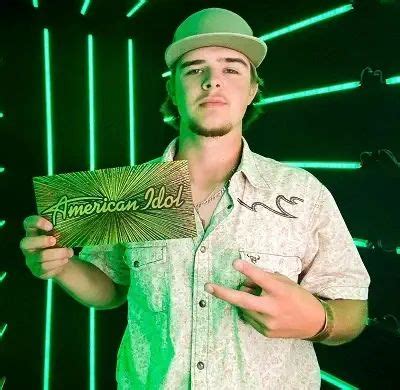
(273, 304)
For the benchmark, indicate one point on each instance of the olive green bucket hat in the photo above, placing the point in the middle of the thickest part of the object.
(215, 27)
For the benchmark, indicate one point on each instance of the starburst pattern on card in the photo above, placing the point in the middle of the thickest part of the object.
(144, 202)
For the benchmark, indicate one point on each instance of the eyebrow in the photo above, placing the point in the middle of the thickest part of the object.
(198, 62)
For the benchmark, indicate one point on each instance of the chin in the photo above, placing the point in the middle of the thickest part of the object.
(212, 131)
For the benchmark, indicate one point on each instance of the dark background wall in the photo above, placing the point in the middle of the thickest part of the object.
(336, 127)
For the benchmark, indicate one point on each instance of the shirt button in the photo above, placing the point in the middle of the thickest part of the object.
(200, 365)
(203, 249)
(202, 303)
(136, 264)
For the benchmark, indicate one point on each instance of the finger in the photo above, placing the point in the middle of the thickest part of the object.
(268, 281)
(51, 265)
(34, 224)
(28, 244)
(54, 270)
(256, 316)
(255, 324)
(55, 254)
(235, 297)
(249, 283)
(250, 290)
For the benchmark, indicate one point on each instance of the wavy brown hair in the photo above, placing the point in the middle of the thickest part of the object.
(168, 109)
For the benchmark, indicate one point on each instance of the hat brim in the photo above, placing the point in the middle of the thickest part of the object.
(252, 47)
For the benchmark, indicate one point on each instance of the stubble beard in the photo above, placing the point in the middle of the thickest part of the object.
(196, 128)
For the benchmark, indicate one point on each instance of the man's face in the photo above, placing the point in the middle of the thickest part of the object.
(212, 90)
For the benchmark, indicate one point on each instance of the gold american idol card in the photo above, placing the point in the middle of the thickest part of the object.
(151, 201)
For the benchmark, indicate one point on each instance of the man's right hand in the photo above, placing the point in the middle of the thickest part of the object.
(44, 263)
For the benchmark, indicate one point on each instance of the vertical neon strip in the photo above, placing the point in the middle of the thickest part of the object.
(92, 313)
(49, 137)
(91, 103)
(132, 157)
(35, 3)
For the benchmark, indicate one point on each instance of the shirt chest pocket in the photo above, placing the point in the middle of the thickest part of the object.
(149, 275)
(289, 266)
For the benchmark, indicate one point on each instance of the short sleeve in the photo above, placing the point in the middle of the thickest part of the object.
(109, 259)
(332, 266)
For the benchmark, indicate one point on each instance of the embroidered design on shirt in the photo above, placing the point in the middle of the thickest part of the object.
(282, 212)
(253, 259)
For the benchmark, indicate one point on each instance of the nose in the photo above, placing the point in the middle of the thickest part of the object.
(210, 81)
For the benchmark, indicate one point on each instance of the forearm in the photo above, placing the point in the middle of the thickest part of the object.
(88, 285)
(350, 320)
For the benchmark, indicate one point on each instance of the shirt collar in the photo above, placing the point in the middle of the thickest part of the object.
(248, 163)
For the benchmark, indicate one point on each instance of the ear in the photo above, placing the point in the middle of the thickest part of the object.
(171, 91)
(252, 93)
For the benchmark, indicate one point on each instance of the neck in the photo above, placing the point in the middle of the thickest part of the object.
(211, 159)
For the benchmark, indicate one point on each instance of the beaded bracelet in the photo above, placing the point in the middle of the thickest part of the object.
(329, 322)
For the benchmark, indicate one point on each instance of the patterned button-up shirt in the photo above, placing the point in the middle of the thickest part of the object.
(280, 218)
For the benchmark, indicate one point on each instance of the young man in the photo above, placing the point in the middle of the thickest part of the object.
(197, 316)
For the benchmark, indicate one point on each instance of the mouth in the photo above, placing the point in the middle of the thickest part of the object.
(212, 104)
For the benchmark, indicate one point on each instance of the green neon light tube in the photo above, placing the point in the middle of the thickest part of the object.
(49, 118)
(132, 157)
(398, 250)
(2, 169)
(136, 8)
(168, 119)
(307, 22)
(92, 158)
(3, 276)
(362, 243)
(1, 115)
(2, 223)
(324, 165)
(340, 384)
(3, 330)
(50, 170)
(393, 80)
(91, 102)
(35, 3)
(309, 92)
(92, 348)
(85, 6)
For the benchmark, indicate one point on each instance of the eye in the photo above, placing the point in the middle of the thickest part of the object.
(233, 71)
(193, 71)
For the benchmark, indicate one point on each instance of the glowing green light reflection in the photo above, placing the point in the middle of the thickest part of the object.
(307, 22)
(309, 92)
(35, 3)
(166, 74)
(339, 383)
(3, 276)
(362, 243)
(2, 223)
(1, 115)
(132, 156)
(91, 102)
(2, 169)
(324, 165)
(50, 170)
(92, 158)
(136, 8)
(3, 330)
(393, 80)
(85, 6)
